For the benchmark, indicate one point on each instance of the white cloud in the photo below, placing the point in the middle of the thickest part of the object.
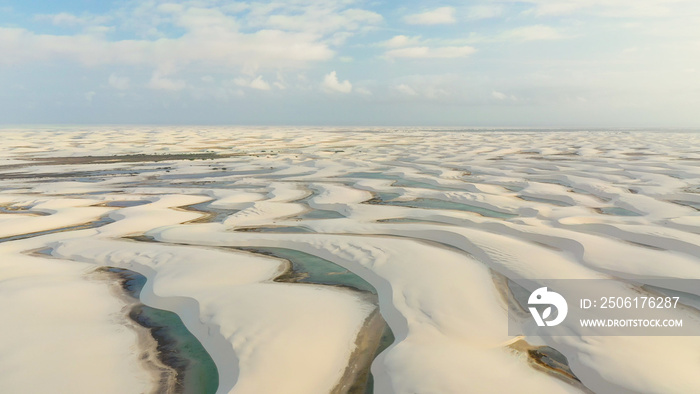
(69, 20)
(331, 84)
(117, 82)
(499, 95)
(557, 8)
(207, 47)
(518, 34)
(339, 38)
(258, 83)
(448, 88)
(405, 89)
(431, 53)
(259, 39)
(401, 41)
(89, 96)
(321, 20)
(160, 81)
(531, 33)
(281, 83)
(607, 8)
(438, 16)
(484, 11)
(62, 18)
(170, 8)
(502, 96)
(210, 39)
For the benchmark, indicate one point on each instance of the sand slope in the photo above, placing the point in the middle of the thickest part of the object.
(430, 218)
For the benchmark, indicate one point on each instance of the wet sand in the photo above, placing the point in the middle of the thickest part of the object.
(550, 361)
(356, 377)
(165, 375)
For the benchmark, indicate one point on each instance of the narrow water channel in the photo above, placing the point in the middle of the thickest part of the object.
(177, 347)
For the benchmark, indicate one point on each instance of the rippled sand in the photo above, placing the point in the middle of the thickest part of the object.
(434, 220)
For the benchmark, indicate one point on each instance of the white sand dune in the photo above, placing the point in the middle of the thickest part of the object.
(62, 333)
(269, 336)
(429, 218)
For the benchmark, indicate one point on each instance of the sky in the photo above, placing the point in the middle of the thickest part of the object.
(490, 63)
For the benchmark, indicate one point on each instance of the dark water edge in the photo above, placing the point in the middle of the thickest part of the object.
(177, 347)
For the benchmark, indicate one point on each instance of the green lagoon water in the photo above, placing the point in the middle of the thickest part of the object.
(430, 203)
(177, 347)
(312, 269)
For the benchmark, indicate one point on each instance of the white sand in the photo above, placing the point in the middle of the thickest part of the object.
(433, 278)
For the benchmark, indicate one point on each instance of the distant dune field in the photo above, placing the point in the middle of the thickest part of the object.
(276, 247)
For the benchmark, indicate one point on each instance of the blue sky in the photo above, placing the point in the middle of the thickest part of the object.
(539, 63)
